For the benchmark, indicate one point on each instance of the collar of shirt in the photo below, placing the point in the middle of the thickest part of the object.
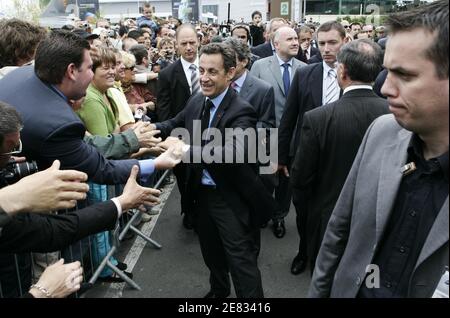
(187, 64)
(272, 46)
(217, 100)
(415, 150)
(57, 91)
(281, 62)
(240, 81)
(353, 87)
(326, 69)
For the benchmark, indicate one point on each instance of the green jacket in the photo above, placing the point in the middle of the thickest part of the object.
(115, 146)
(96, 115)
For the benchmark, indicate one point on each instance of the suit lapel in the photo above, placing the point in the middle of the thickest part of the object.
(295, 65)
(438, 235)
(179, 73)
(394, 157)
(275, 70)
(222, 107)
(246, 87)
(317, 79)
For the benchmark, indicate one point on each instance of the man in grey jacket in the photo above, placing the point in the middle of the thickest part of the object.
(388, 234)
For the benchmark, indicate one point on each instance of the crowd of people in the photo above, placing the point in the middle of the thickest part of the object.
(359, 114)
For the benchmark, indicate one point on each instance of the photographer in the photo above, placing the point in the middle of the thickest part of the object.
(166, 49)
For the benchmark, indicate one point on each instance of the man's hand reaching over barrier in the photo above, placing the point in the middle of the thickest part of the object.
(135, 195)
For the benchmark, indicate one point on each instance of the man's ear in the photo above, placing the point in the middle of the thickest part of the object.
(231, 73)
(70, 71)
(342, 71)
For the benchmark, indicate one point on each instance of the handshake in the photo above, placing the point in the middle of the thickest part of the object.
(168, 152)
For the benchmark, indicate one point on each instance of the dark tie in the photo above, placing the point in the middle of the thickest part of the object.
(206, 115)
(306, 55)
(286, 78)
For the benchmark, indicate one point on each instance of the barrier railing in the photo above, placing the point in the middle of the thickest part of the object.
(19, 271)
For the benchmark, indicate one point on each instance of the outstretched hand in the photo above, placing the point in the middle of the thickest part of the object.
(51, 189)
(134, 195)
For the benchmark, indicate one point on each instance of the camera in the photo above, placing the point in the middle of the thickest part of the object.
(112, 33)
(14, 171)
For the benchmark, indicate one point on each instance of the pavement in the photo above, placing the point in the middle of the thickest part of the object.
(177, 269)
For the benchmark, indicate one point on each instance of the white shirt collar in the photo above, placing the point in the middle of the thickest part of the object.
(281, 62)
(353, 87)
(187, 64)
(326, 69)
(240, 81)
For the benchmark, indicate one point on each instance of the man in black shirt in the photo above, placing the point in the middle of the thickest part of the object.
(389, 232)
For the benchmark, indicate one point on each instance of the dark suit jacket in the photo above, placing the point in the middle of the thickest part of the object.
(48, 233)
(52, 130)
(232, 180)
(329, 140)
(316, 58)
(173, 91)
(305, 94)
(260, 95)
(263, 50)
(301, 55)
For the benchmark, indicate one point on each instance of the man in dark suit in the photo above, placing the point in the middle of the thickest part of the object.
(267, 49)
(256, 92)
(312, 86)
(306, 51)
(228, 215)
(176, 84)
(321, 164)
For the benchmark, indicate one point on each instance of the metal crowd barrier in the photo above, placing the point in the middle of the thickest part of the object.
(19, 271)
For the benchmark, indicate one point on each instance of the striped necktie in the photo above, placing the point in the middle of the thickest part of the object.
(333, 89)
(195, 84)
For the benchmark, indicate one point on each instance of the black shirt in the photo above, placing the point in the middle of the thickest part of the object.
(420, 197)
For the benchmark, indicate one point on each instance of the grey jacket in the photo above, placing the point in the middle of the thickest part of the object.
(362, 213)
(268, 69)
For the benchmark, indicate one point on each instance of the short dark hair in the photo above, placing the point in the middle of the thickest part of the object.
(242, 49)
(56, 52)
(256, 13)
(432, 17)
(10, 121)
(305, 29)
(363, 60)
(135, 34)
(139, 51)
(332, 25)
(228, 54)
(18, 41)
